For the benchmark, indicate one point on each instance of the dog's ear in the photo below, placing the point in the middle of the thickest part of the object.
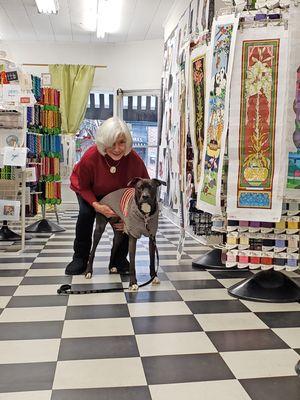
(158, 182)
(133, 181)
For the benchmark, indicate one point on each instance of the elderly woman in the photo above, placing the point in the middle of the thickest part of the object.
(107, 166)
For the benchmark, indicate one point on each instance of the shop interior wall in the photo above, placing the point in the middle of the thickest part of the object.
(130, 66)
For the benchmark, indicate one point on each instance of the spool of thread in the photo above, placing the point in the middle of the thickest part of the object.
(232, 239)
(231, 257)
(279, 261)
(244, 239)
(285, 207)
(294, 207)
(280, 243)
(267, 224)
(267, 260)
(293, 241)
(254, 224)
(293, 225)
(243, 259)
(244, 224)
(217, 223)
(280, 224)
(232, 222)
(292, 262)
(257, 244)
(254, 260)
(268, 242)
(260, 17)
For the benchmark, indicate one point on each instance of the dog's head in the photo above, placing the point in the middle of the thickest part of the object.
(146, 193)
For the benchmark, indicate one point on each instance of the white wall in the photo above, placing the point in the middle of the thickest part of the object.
(130, 66)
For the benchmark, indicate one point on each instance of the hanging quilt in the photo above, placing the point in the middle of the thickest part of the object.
(198, 79)
(257, 139)
(216, 113)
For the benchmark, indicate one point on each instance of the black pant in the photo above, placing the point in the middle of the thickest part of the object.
(84, 233)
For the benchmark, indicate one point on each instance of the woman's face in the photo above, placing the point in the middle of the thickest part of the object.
(117, 151)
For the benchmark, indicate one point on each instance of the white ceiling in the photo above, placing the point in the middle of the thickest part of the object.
(140, 20)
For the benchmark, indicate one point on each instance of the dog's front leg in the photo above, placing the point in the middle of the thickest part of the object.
(132, 250)
(101, 222)
(152, 247)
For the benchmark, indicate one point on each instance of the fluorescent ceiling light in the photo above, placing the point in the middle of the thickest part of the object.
(47, 6)
(108, 16)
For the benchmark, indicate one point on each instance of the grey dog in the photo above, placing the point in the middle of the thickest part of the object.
(138, 207)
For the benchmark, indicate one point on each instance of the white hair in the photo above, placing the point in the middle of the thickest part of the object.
(109, 131)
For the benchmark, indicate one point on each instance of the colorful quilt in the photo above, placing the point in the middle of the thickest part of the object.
(216, 113)
(257, 148)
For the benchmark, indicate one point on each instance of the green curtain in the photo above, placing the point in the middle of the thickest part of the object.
(74, 83)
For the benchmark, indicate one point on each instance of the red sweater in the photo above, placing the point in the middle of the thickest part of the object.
(91, 177)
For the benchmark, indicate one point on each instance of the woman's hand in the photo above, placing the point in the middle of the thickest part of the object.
(103, 209)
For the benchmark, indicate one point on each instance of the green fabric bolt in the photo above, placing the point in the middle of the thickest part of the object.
(75, 83)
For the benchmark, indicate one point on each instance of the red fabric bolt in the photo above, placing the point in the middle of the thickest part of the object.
(254, 260)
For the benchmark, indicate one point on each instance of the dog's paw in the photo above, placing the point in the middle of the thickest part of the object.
(134, 287)
(88, 275)
(113, 270)
(156, 281)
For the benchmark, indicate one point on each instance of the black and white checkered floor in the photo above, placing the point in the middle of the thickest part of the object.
(186, 338)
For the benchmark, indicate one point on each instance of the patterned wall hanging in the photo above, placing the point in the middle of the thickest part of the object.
(197, 90)
(216, 115)
(257, 139)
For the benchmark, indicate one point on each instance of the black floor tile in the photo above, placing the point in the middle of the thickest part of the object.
(230, 274)
(177, 268)
(101, 311)
(165, 324)
(273, 388)
(216, 306)
(124, 393)
(26, 377)
(45, 254)
(98, 347)
(197, 284)
(7, 290)
(31, 330)
(12, 272)
(37, 301)
(287, 319)
(41, 265)
(46, 280)
(185, 368)
(147, 297)
(252, 339)
(97, 286)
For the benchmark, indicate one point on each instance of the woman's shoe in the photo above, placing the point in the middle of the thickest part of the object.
(113, 270)
(76, 267)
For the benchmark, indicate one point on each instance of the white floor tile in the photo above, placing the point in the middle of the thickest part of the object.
(97, 299)
(205, 294)
(45, 272)
(174, 343)
(33, 314)
(36, 395)
(97, 327)
(81, 374)
(36, 290)
(269, 307)
(230, 321)
(261, 363)
(20, 265)
(81, 280)
(223, 390)
(52, 260)
(10, 280)
(175, 262)
(230, 282)
(189, 275)
(291, 336)
(4, 301)
(158, 308)
(28, 351)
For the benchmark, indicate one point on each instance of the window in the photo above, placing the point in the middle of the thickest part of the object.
(142, 122)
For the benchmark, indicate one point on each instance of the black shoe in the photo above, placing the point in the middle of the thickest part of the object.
(76, 267)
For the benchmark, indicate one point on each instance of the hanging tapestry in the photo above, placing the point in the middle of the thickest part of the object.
(257, 148)
(198, 68)
(216, 113)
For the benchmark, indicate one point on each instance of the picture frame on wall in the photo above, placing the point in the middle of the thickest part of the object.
(46, 79)
(9, 210)
(15, 156)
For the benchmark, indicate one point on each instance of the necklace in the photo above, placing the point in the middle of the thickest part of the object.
(112, 168)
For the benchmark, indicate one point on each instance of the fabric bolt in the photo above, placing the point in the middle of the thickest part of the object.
(216, 115)
(257, 147)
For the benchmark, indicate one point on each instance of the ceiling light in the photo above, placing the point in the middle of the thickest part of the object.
(108, 16)
(47, 6)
